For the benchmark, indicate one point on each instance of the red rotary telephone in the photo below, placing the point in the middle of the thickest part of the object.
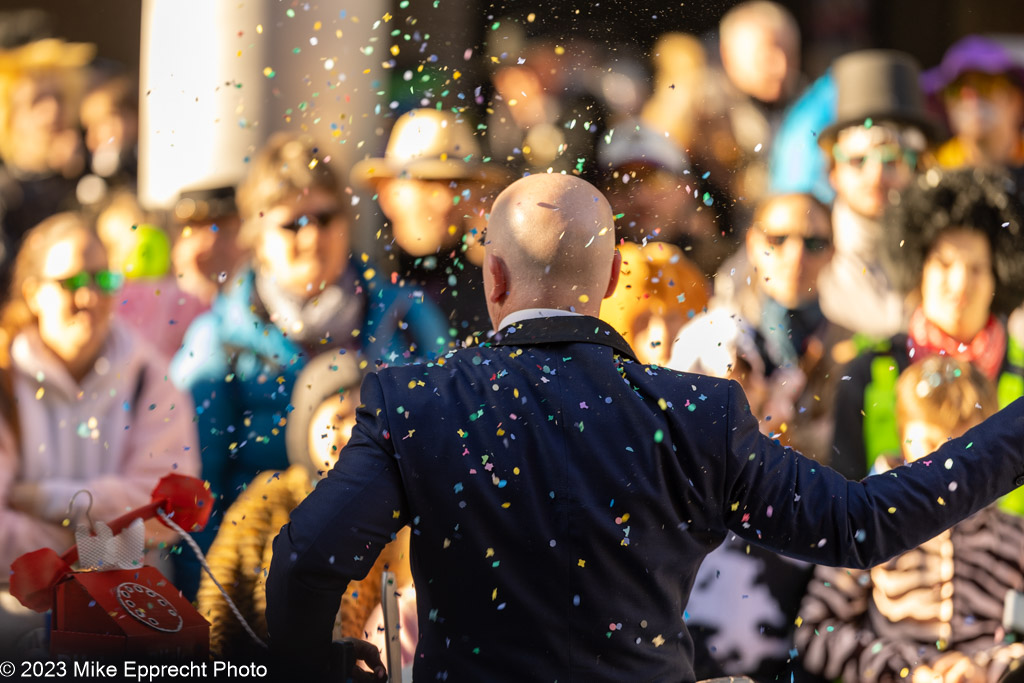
(122, 611)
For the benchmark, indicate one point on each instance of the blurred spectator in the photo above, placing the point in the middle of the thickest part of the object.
(875, 146)
(302, 294)
(620, 81)
(86, 403)
(650, 187)
(759, 47)
(772, 286)
(680, 79)
(759, 43)
(109, 115)
(325, 399)
(659, 291)
(934, 613)
(745, 599)
(981, 85)
(206, 249)
(41, 148)
(544, 115)
(150, 301)
(435, 189)
(958, 238)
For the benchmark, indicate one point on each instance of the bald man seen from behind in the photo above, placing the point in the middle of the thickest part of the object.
(562, 495)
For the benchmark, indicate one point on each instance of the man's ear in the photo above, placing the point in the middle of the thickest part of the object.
(498, 286)
(613, 279)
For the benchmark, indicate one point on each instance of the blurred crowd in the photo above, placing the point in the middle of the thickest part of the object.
(849, 246)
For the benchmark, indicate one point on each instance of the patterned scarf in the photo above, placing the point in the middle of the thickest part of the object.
(785, 331)
(986, 351)
(333, 314)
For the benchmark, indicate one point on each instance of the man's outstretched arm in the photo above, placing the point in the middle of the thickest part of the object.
(781, 500)
(334, 537)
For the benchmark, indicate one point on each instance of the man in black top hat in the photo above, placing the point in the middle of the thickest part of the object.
(874, 149)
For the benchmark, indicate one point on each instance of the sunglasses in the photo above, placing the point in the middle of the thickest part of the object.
(107, 281)
(886, 155)
(321, 219)
(814, 245)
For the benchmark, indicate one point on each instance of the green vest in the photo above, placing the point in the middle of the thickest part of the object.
(881, 433)
(1010, 388)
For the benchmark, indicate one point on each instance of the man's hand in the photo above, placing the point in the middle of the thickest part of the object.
(358, 652)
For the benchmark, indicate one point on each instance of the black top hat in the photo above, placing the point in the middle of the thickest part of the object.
(881, 85)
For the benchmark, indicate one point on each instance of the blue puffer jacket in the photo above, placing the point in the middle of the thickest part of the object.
(240, 369)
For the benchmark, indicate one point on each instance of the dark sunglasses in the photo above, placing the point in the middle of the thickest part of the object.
(107, 281)
(814, 245)
(321, 219)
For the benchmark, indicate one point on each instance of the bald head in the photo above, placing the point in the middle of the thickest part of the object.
(550, 244)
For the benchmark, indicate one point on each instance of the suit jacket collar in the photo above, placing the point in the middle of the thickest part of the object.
(563, 329)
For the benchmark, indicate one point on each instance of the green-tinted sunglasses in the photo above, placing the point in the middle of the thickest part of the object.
(107, 281)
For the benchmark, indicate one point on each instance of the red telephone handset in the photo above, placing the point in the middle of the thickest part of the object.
(186, 500)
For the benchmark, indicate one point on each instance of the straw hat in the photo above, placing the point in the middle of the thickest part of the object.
(427, 144)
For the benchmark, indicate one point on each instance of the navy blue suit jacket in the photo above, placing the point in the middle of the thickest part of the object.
(562, 495)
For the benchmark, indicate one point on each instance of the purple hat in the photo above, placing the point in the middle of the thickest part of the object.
(973, 53)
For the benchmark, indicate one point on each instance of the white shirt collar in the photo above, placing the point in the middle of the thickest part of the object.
(531, 313)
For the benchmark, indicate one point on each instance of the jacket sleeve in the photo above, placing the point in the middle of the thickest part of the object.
(163, 440)
(779, 499)
(335, 535)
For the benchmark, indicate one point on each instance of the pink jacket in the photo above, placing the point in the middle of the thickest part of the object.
(160, 310)
(115, 434)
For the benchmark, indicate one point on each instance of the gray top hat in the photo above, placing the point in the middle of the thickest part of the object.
(880, 85)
